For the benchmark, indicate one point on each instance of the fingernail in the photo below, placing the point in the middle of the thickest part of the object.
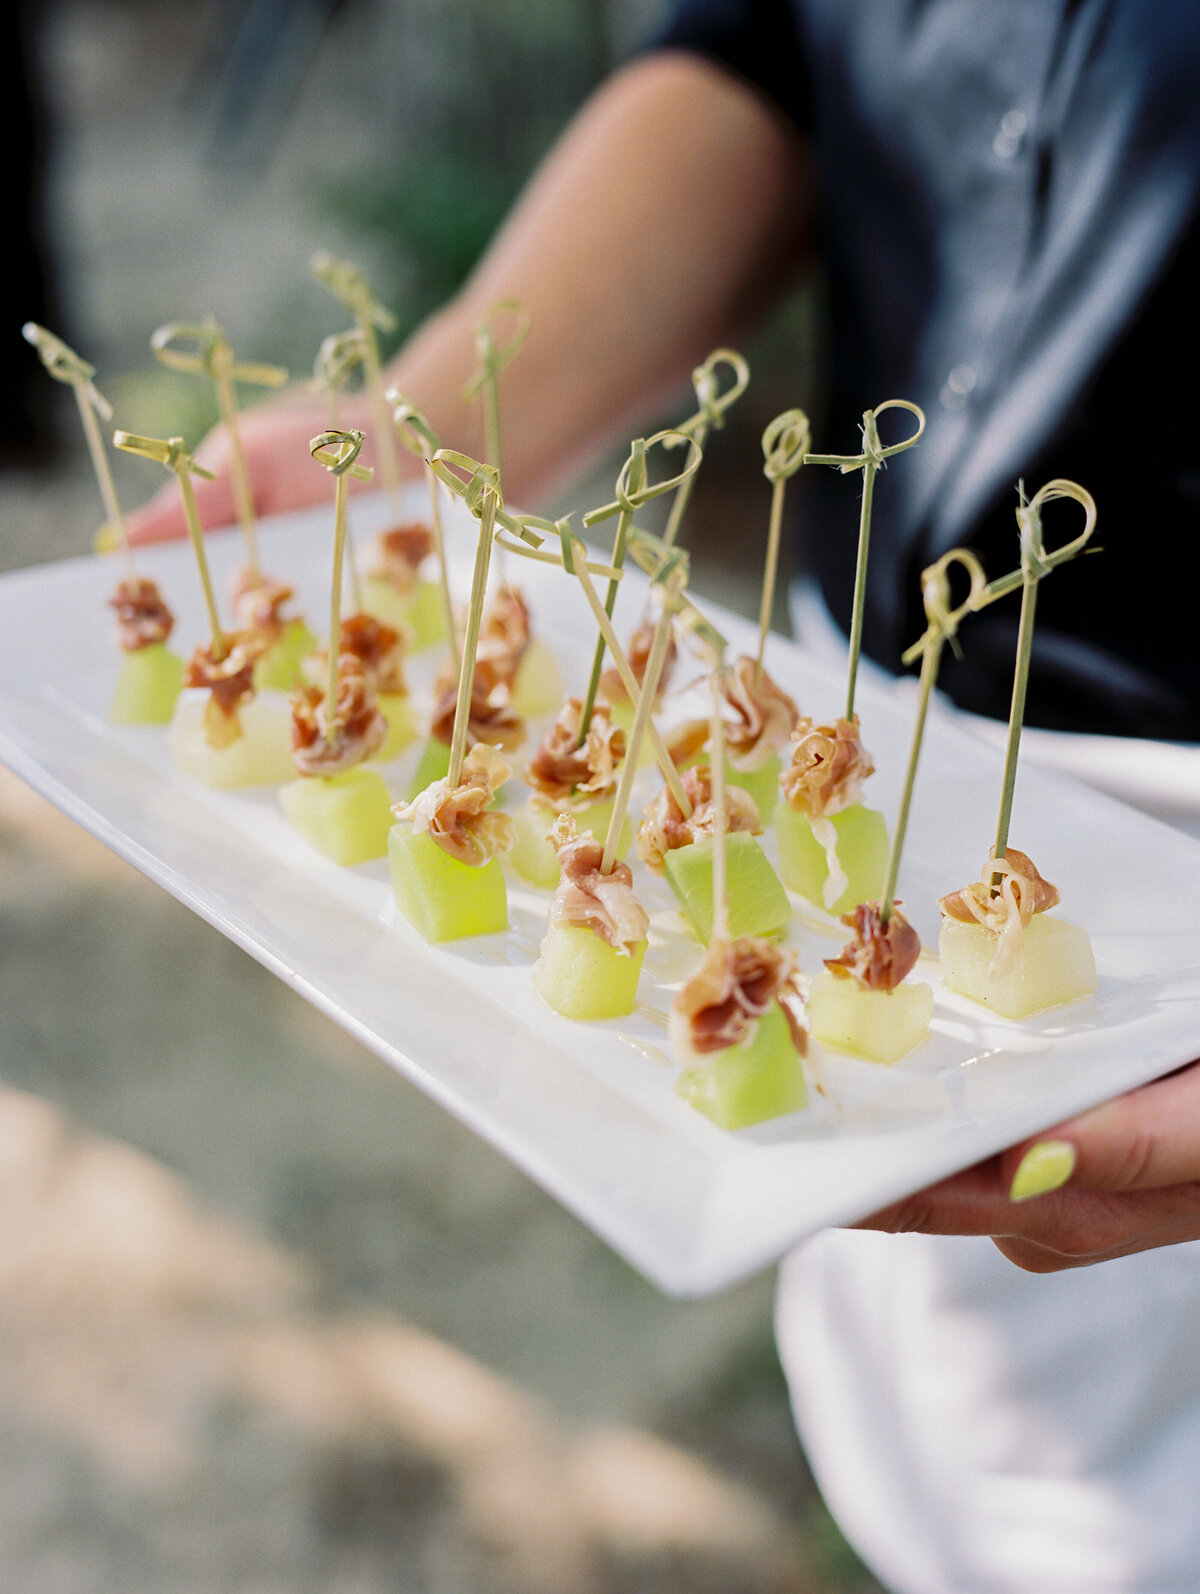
(106, 539)
(1044, 1167)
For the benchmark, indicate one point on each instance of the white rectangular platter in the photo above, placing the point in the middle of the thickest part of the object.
(588, 1111)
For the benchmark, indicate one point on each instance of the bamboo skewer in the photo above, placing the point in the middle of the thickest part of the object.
(206, 352)
(338, 452)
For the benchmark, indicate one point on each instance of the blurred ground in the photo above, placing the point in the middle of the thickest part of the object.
(268, 1319)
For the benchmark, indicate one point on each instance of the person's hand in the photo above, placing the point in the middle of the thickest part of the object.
(1124, 1177)
(275, 439)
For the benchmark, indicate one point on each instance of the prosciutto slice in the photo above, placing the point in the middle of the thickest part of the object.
(562, 767)
(665, 828)
(142, 617)
(458, 818)
(378, 648)
(1004, 905)
(258, 603)
(397, 554)
(733, 988)
(324, 746)
(764, 716)
(230, 683)
(589, 899)
(878, 955)
(827, 769)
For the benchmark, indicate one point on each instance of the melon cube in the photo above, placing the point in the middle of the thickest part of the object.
(1057, 966)
(426, 616)
(278, 667)
(762, 784)
(534, 858)
(748, 1084)
(862, 851)
(881, 1026)
(442, 898)
(537, 687)
(150, 681)
(758, 904)
(434, 764)
(397, 709)
(261, 756)
(581, 976)
(346, 816)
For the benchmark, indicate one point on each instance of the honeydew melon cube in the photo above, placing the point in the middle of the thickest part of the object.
(748, 1084)
(758, 904)
(762, 784)
(1057, 966)
(426, 616)
(346, 816)
(384, 600)
(537, 686)
(397, 709)
(862, 850)
(442, 898)
(261, 756)
(150, 681)
(278, 668)
(581, 976)
(881, 1026)
(534, 858)
(434, 764)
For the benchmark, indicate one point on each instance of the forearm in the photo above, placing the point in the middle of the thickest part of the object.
(659, 227)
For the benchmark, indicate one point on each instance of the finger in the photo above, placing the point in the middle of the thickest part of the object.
(1148, 1139)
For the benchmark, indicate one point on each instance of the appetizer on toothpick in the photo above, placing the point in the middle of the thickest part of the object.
(633, 489)
(763, 715)
(342, 809)
(258, 601)
(231, 736)
(832, 850)
(425, 607)
(678, 841)
(151, 675)
(444, 852)
(591, 955)
(736, 1024)
(862, 1003)
(998, 944)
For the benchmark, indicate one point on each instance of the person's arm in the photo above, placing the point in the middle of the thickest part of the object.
(672, 210)
(1130, 1173)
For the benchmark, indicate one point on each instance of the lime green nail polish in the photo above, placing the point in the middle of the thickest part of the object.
(1044, 1167)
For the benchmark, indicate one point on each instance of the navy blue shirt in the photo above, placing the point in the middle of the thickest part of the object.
(1008, 203)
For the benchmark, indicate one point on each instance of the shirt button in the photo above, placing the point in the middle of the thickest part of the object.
(1007, 143)
(957, 386)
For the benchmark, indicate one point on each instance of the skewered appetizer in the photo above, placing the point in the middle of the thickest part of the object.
(380, 651)
(591, 957)
(151, 675)
(833, 851)
(340, 808)
(569, 776)
(224, 732)
(762, 721)
(680, 847)
(258, 604)
(999, 946)
(861, 1004)
(444, 852)
(736, 1025)
(491, 718)
(394, 590)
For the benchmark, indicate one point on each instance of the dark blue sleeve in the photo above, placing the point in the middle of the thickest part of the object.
(759, 40)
